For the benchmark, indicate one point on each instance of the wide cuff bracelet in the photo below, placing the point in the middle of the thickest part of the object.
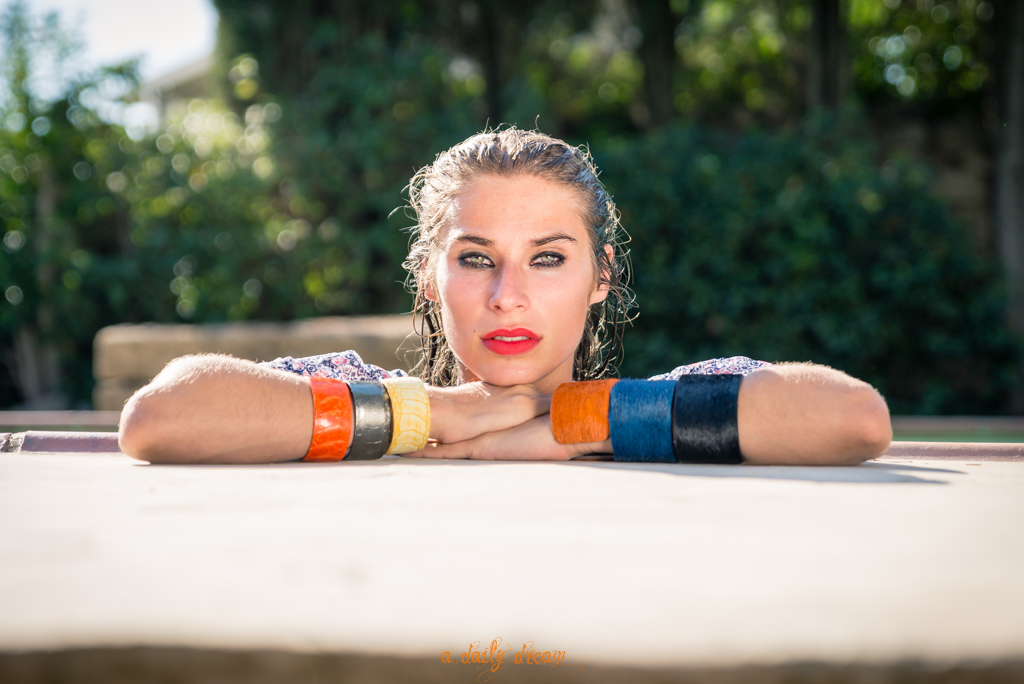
(410, 411)
(372, 433)
(704, 419)
(579, 411)
(332, 420)
(640, 420)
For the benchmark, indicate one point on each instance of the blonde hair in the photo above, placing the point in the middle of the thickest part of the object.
(510, 152)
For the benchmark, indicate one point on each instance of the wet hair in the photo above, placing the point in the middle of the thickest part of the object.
(509, 152)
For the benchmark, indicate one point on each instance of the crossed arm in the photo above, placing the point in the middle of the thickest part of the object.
(218, 409)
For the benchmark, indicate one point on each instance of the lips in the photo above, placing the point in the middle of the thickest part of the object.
(510, 342)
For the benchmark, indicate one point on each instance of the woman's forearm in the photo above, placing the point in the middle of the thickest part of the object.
(219, 409)
(802, 414)
(211, 408)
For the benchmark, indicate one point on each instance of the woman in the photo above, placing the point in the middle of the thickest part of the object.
(517, 270)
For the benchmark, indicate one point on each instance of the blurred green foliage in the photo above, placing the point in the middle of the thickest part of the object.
(798, 247)
(62, 274)
(748, 58)
(744, 58)
(279, 201)
(926, 52)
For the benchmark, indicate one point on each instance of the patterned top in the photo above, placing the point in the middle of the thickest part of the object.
(348, 365)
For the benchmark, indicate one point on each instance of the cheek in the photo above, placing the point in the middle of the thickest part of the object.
(451, 287)
(455, 295)
(443, 281)
(571, 305)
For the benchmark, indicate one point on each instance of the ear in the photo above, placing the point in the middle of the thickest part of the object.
(600, 293)
(428, 291)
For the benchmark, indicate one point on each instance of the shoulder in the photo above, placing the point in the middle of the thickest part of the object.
(737, 365)
(346, 365)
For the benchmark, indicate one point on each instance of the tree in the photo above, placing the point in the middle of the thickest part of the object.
(1009, 174)
(61, 169)
(826, 63)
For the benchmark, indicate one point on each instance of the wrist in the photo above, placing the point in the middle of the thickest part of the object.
(440, 411)
(359, 420)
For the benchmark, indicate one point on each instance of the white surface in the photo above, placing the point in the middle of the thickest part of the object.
(167, 34)
(611, 563)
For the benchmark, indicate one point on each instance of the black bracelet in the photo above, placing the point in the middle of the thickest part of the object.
(371, 408)
(704, 428)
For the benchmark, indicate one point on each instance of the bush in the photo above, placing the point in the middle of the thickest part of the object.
(795, 247)
(62, 275)
(775, 246)
(208, 219)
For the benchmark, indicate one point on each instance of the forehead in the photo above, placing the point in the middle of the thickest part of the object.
(512, 208)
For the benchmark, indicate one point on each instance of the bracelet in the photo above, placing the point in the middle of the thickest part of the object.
(704, 425)
(579, 411)
(410, 411)
(640, 420)
(372, 432)
(332, 420)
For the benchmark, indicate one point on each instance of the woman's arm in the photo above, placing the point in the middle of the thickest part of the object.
(219, 409)
(804, 414)
(788, 414)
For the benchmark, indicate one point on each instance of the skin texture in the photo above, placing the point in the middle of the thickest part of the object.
(218, 409)
(516, 254)
(788, 414)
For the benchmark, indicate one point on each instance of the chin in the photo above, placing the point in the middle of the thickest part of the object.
(511, 375)
(506, 378)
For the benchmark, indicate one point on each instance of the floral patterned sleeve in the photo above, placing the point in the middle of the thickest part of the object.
(348, 365)
(345, 365)
(738, 365)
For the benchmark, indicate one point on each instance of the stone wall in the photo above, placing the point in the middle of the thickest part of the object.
(126, 357)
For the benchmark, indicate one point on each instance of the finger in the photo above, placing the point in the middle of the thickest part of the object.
(509, 412)
(460, 415)
(436, 450)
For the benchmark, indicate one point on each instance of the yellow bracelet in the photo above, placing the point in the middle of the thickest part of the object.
(410, 414)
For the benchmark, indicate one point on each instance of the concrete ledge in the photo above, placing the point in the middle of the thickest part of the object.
(52, 441)
(925, 428)
(128, 356)
(18, 421)
(135, 665)
(957, 451)
(894, 571)
(971, 428)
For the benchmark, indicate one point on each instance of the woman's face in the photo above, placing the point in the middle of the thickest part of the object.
(514, 278)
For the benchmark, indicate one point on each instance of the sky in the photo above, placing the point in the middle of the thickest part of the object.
(167, 33)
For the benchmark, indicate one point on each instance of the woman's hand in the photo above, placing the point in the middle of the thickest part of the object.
(473, 409)
(789, 414)
(529, 441)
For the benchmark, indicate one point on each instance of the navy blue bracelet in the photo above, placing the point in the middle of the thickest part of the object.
(640, 420)
(704, 427)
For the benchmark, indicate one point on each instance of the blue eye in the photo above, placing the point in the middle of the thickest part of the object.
(474, 261)
(548, 260)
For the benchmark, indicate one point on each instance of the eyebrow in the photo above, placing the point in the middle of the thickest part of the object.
(484, 242)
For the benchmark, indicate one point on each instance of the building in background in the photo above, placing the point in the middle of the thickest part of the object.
(175, 88)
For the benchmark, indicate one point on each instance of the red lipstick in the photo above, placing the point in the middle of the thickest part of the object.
(511, 342)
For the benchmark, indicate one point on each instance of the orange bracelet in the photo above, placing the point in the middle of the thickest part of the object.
(333, 421)
(579, 411)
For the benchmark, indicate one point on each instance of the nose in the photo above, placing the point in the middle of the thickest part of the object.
(507, 291)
